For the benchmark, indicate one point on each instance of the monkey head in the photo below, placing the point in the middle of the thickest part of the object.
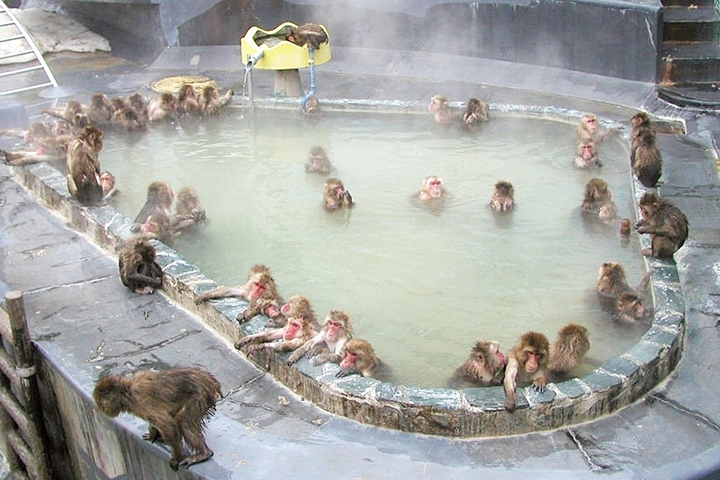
(92, 136)
(590, 123)
(337, 321)
(532, 354)
(110, 396)
(432, 187)
(295, 328)
(649, 204)
(612, 273)
(607, 212)
(576, 336)
(640, 119)
(485, 361)
(161, 192)
(630, 308)
(597, 190)
(504, 188)
(260, 285)
(144, 249)
(437, 102)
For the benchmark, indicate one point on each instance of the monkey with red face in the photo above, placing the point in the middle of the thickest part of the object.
(586, 156)
(526, 365)
(336, 197)
(331, 341)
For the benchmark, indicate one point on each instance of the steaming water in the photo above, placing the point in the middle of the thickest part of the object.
(422, 288)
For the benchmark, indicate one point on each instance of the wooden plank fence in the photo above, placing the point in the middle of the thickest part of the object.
(22, 430)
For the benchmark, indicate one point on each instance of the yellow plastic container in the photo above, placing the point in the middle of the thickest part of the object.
(279, 54)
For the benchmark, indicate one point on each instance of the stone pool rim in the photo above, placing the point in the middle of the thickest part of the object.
(474, 412)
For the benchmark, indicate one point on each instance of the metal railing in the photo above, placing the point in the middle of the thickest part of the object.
(12, 31)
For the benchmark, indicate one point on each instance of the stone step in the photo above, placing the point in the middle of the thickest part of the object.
(688, 3)
(683, 24)
(691, 62)
(691, 95)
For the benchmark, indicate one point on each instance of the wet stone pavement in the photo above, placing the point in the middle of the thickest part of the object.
(82, 317)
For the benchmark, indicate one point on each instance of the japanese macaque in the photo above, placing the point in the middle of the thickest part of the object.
(629, 308)
(138, 270)
(666, 224)
(336, 197)
(503, 197)
(568, 351)
(33, 135)
(329, 344)
(83, 166)
(107, 181)
(639, 121)
(645, 157)
(475, 113)
(28, 157)
(607, 212)
(292, 336)
(158, 201)
(484, 367)
(161, 108)
(612, 284)
(100, 111)
(296, 306)
(318, 161)
(177, 403)
(211, 102)
(586, 156)
(441, 111)
(311, 34)
(598, 200)
(189, 213)
(157, 227)
(589, 130)
(187, 101)
(68, 112)
(130, 120)
(47, 143)
(526, 364)
(310, 105)
(432, 188)
(359, 359)
(258, 291)
(138, 102)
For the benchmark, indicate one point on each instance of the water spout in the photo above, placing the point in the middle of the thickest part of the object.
(247, 81)
(253, 59)
(311, 92)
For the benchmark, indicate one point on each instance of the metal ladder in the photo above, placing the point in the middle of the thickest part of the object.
(25, 76)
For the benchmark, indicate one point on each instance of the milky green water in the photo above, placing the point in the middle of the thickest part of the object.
(422, 288)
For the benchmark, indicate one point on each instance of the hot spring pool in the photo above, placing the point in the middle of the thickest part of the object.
(421, 287)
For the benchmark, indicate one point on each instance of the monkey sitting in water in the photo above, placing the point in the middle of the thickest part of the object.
(484, 366)
(618, 297)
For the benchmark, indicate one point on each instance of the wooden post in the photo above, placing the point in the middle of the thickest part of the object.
(25, 366)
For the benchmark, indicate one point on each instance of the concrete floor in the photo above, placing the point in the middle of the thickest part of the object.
(674, 432)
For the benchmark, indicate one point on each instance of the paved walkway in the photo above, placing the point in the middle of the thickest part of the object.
(81, 315)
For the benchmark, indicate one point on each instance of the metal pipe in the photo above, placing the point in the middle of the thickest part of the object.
(311, 92)
(253, 59)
